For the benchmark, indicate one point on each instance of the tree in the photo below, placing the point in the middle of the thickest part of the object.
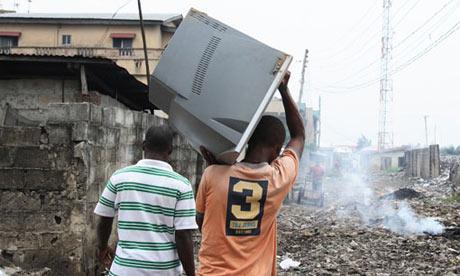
(363, 142)
(450, 150)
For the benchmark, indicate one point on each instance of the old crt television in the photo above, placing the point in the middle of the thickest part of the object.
(215, 82)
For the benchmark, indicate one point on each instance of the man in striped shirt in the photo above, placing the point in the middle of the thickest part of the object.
(156, 214)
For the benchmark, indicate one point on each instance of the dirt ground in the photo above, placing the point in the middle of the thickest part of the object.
(327, 243)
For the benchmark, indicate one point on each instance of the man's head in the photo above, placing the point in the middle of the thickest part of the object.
(268, 137)
(158, 142)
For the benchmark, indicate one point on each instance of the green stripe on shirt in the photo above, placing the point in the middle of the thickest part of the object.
(186, 195)
(185, 213)
(154, 171)
(141, 187)
(154, 209)
(111, 187)
(144, 226)
(106, 202)
(146, 264)
(152, 246)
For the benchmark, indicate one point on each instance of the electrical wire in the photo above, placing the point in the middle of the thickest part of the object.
(357, 24)
(406, 64)
(438, 41)
(331, 88)
(106, 32)
(424, 24)
(371, 43)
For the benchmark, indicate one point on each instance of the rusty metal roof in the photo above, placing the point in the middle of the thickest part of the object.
(103, 75)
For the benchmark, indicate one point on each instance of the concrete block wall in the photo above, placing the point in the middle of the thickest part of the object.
(424, 163)
(52, 173)
(38, 93)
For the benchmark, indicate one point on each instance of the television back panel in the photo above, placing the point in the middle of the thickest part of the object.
(215, 83)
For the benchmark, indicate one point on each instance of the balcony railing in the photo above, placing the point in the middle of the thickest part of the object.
(112, 53)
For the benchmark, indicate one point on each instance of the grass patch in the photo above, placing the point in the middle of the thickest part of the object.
(392, 170)
(455, 198)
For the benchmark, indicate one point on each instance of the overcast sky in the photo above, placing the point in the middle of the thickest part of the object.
(343, 38)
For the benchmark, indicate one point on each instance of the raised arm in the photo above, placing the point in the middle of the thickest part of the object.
(293, 118)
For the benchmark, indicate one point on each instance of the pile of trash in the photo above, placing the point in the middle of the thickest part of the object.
(7, 268)
(419, 235)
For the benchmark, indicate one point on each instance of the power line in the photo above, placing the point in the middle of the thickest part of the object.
(360, 36)
(339, 66)
(403, 66)
(443, 37)
(406, 14)
(357, 24)
(366, 67)
(417, 43)
(106, 32)
(424, 24)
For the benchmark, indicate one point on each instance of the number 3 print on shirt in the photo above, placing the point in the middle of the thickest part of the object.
(245, 206)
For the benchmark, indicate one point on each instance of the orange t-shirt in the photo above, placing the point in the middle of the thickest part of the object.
(240, 204)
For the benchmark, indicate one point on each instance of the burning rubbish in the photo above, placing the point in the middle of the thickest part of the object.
(404, 221)
(397, 217)
(377, 224)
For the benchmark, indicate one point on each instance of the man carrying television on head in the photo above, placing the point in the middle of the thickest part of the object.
(237, 204)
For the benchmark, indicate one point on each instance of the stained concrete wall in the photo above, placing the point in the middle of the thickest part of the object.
(38, 93)
(54, 162)
(424, 163)
(454, 175)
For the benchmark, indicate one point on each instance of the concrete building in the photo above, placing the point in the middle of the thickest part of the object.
(63, 131)
(117, 37)
(387, 159)
(311, 121)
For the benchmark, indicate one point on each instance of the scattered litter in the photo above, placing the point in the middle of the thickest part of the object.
(286, 264)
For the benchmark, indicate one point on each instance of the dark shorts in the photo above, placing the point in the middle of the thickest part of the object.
(317, 185)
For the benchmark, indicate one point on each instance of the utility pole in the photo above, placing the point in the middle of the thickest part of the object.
(426, 129)
(144, 43)
(302, 80)
(385, 136)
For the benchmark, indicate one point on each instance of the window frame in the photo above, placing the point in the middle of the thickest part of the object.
(14, 41)
(64, 39)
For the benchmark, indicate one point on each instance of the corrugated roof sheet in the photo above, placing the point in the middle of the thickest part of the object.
(161, 17)
(103, 75)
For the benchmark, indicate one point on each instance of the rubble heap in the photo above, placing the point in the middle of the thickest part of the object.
(327, 243)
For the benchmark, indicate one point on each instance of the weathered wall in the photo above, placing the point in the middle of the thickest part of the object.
(38, 93)
(424, 163)
(52, 172)
(454, 175)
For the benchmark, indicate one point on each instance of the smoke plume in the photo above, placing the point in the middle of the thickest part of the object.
(356, 196)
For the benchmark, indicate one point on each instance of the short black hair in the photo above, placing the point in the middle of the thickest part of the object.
(159, 139)
(270, 132)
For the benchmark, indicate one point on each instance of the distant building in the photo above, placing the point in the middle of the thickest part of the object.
(311, 120)
(387, 159)
(89, 35)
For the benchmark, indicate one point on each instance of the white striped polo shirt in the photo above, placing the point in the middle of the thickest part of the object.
(152, 202)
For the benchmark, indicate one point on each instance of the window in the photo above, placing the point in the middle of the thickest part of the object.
(66, 39)
(8, 41)
(124, 43)
(124, 46)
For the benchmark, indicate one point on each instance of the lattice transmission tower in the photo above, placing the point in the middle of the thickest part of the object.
(385, 135)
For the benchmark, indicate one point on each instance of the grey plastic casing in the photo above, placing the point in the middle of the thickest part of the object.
(215, 82)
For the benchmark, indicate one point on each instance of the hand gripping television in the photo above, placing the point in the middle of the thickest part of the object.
(215, 82)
